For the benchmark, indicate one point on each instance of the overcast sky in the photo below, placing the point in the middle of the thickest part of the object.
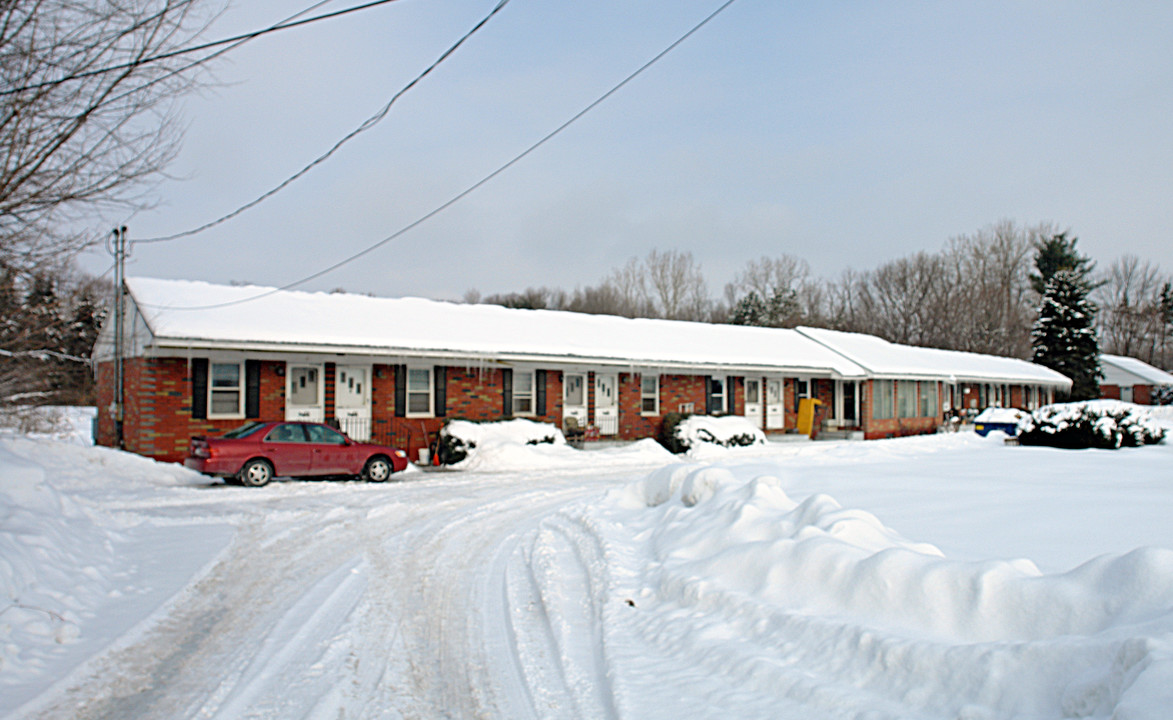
(843, 133)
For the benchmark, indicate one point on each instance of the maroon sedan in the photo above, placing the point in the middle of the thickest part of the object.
(256, 453)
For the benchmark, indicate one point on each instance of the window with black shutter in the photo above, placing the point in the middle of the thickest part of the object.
(252, 388)
(441, 391)
(199, 388)
(400, 391)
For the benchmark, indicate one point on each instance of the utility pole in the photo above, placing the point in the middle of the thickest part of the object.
(119, 329)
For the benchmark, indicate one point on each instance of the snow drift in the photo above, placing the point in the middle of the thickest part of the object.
(813, 605)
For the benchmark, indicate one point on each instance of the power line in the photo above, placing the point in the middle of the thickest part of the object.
(367, 124)
(471, 188)
(284, 25)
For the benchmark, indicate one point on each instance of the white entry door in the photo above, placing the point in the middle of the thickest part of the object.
(775, 412)
(607, 403)
(574, 397)
(304, 393)
(352, 400)
(753, 401)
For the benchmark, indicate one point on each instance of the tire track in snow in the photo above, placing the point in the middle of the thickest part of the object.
(365, 601)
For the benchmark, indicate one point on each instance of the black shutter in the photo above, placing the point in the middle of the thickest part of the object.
(540, 392)
(400, 390)
(199, 388)
(730, 383)
(507, 392)
(440, 377)
(252, 388)
(708, 395)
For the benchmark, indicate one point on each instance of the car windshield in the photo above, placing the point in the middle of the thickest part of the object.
(243, 431)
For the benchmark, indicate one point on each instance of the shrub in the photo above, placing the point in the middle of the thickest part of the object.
(1096, 424)
(688, 431)
(459, 438)
(668, 436)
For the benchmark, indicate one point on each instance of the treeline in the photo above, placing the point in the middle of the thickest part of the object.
(49, 321)
(980, 293)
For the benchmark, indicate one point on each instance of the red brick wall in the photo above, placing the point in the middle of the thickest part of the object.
(470, 394)
(676, 390)
(1141, 394)
(158, 422)
(875, 428)
(632, 425)
(157, 419)
(104, 397)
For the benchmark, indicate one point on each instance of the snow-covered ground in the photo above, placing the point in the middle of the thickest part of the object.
(949, 576)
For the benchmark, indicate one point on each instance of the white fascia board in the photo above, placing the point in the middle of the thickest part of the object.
(183, 347)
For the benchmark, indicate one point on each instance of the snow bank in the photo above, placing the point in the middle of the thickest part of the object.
(53, 563)
(461, 441)
(527, 445)
(697, 431)
(813, 603)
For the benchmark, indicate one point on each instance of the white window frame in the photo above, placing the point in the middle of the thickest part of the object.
(722, 406)
(408, 392)
(883, 399)
(645, 395)
(802, 388)
(756, 382)
(239, 389)
(906, 399)
(528, 396)
(930, 399)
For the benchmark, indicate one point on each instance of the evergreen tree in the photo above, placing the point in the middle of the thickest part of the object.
(1058, 253)
(1064, 336)
(780, 310)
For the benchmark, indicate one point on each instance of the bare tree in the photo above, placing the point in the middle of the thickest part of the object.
(1130, 318)
(676, 286)
(87, 116)
(903, 300)
(628, 285)
(989, 274)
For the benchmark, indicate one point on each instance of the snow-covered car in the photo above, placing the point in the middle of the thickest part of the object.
(257, 452)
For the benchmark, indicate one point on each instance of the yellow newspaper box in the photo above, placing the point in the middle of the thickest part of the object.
(806, 414)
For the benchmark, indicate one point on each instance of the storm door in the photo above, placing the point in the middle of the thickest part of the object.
(352, 400)
(304, 393)
(574, 398)
(775, 412)
(607, 403)
(753, 401)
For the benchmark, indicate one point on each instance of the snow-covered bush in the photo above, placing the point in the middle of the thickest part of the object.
(1102, 424)
(688, 431)
(458, 438)
(1163, 395)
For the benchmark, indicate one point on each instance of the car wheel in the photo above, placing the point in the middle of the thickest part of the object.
(256, 473)
(378, 469)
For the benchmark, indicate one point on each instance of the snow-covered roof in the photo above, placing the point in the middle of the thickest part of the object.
(1121, 370)
(884, 359)
(184, 314)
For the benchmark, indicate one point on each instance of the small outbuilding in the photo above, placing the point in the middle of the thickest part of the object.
(1131, 380)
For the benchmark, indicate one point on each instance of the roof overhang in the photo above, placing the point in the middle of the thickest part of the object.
(184, 347)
